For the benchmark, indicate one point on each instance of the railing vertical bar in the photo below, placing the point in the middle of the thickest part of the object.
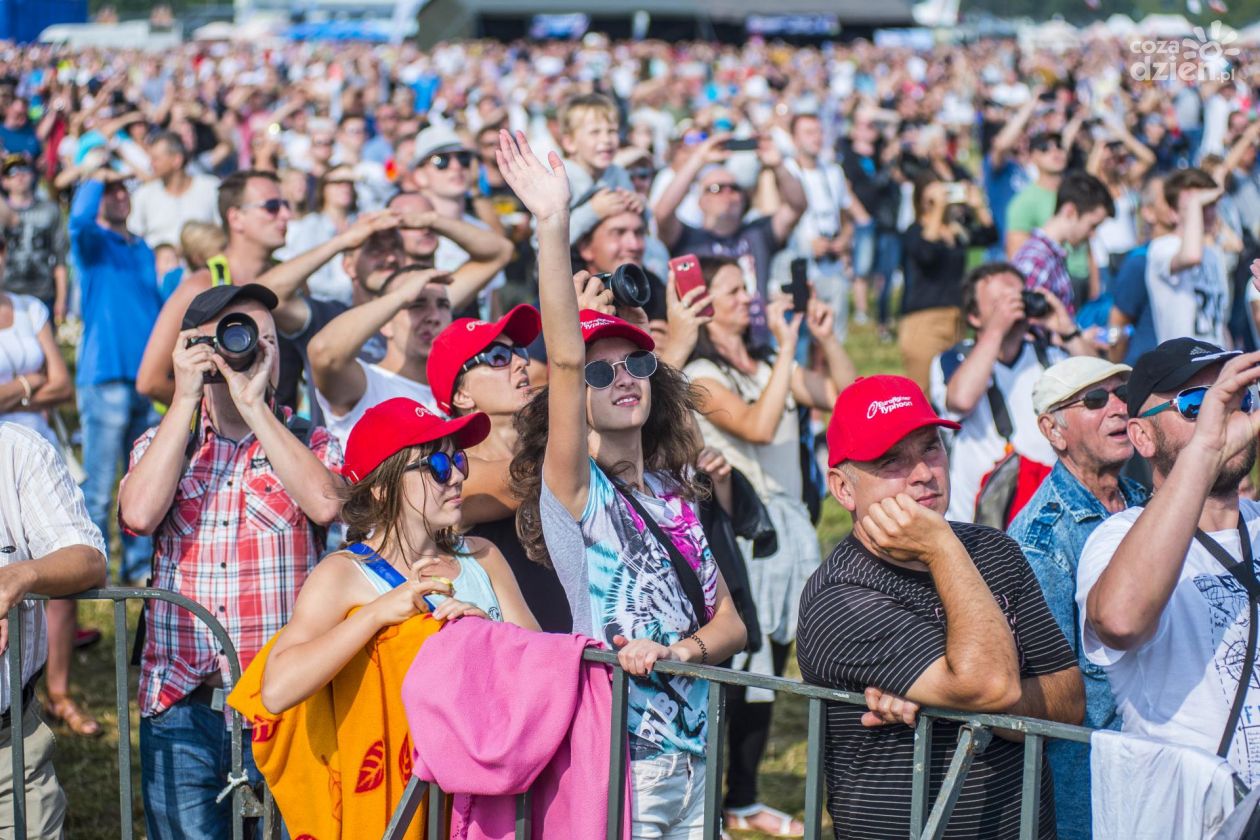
(1030, 791)
(815, 746)
(617, 755)
(271, 816)
(524, 819)
(16, 730)
(437, 812)
(971, 741)
(714, 761)
(919, 787)
(405, 813)
(123, 707)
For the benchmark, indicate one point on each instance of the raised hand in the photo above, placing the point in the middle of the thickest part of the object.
(785, 330)
(249, 387)
(1221, 430)
(820, 319)
(191, 365)
(904, 530)
(368, 224)
(593, 293)
(543, 189)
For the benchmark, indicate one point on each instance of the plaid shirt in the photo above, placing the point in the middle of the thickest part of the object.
(1044, 264)
(235, 542)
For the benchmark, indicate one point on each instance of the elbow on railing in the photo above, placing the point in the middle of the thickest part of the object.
(988, 692)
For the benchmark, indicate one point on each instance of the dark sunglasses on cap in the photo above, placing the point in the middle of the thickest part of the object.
(1096, 398)
(640, 364)
(441, 464)
(443, 159)
(271, 206)
(1189, 401)
(496, 356)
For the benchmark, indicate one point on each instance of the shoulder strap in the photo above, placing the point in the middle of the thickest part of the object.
(1001, 417)
(686, 575)
(378, 564)
(1245, 572)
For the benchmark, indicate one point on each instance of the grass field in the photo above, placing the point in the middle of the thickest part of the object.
(88, 768)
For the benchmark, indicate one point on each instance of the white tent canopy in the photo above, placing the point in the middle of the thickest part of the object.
(1119, 24)
(1165, 26)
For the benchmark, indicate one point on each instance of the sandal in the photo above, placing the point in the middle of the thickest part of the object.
(62, 708)
(757, 816)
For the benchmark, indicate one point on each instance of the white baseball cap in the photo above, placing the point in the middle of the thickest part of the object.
(436, 139)
(1064, 380)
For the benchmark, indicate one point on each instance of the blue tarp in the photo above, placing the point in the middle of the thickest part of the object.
(375, 31)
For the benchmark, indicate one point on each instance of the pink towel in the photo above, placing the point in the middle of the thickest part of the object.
(494, 711)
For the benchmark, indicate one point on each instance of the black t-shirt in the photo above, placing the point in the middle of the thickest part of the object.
(865, 622)
(753, 246)
(934, 270)
(321, 313)
(539, 585)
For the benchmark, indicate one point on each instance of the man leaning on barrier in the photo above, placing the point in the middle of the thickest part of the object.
(48, 545)
(236, 495)
(914, 610)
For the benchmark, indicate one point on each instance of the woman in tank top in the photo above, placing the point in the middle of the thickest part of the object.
(406, 468)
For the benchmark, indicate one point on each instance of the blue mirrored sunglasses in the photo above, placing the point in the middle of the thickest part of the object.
(441, 464)
(1189, 401)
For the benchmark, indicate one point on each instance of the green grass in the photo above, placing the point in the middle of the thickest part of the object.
(88, 768)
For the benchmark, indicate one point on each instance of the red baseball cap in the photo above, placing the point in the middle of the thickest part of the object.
(597, 325)
(395, 424)
(873, 414)
(467, 337)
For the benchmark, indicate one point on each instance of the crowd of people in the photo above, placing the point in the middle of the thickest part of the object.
(554, 335)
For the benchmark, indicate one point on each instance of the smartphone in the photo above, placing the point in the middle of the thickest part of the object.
(799, 287)
(955, 193)
(687, 276)
(748, 144)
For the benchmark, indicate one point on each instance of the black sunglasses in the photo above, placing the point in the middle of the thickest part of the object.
(441, 464)
(640, 364)
(443, 160)
(1096, 398)
(496, 356)
(643, 172)
(271, 206)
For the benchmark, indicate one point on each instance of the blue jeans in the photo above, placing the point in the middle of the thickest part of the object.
(112, 415)
(185, 759)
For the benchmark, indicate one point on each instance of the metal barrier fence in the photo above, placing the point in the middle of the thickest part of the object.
(244, 803)
(928, 819)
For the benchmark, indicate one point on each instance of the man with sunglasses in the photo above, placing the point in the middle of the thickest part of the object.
(1081, 411)
(1167, 593)
(410, 310)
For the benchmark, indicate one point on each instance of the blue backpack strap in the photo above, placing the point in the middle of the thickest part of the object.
(377, 564)
(953, 358)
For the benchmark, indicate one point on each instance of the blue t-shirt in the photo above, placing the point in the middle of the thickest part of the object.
(1129, 295)
(118, 293)
(1000, 186)
(21, 141)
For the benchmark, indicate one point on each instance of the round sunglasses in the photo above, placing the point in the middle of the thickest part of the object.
(496, 356)
(1096, 398)
(441, 465)
(443, 159)
(640, 364)
(1190, 401)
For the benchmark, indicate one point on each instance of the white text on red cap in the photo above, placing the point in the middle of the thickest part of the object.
(886, 406)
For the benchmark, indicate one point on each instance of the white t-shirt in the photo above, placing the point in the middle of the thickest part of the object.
(449, 257)
(158, 217)
(977, 446)
(1180, 685)
(826, 194)
(381, 385)
(1193, 302)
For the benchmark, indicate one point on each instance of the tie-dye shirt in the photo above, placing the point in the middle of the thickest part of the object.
(619, 581)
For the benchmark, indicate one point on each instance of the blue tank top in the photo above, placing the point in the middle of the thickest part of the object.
(472, 586)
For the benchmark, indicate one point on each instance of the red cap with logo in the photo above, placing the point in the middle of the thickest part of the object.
(597, 325)
(873, 414)
(396, 424)
(467, 337)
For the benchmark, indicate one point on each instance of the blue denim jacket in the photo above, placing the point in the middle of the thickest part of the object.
(1052, 529)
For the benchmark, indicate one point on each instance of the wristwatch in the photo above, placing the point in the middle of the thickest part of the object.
(1069, 336)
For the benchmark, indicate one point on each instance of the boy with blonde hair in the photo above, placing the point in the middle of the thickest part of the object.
(590, 137)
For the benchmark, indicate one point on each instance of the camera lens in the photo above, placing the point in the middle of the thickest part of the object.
(629, 285)
(237, 337)
(1035, 306)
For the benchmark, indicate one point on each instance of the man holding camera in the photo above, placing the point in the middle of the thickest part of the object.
(986, 385)
(236, 500)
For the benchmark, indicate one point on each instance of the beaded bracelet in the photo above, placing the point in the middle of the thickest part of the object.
(704, 650)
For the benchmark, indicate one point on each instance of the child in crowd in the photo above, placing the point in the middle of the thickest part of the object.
(598, 187)
(406, 467)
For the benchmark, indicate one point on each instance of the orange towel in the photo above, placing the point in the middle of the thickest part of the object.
(342, 757)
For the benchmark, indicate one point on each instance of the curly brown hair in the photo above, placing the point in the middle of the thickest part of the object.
(669, 446)
(377, 504)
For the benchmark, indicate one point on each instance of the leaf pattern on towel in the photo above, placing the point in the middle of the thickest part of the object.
(372, 769)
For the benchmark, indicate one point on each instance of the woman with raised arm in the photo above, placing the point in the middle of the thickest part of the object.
(612, 510)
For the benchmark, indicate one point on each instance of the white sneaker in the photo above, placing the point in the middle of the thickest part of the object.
(861, 319)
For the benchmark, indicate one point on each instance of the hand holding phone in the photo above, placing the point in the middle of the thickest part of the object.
(687, 276)
(748, 144)
(799, 287)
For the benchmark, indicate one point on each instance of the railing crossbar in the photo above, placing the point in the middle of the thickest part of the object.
(971, 741)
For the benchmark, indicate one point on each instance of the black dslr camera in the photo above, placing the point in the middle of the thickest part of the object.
(629, 285)
(235, 339)
(1035, 306)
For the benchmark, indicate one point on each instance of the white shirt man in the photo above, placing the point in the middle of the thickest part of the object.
(1192, 302)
